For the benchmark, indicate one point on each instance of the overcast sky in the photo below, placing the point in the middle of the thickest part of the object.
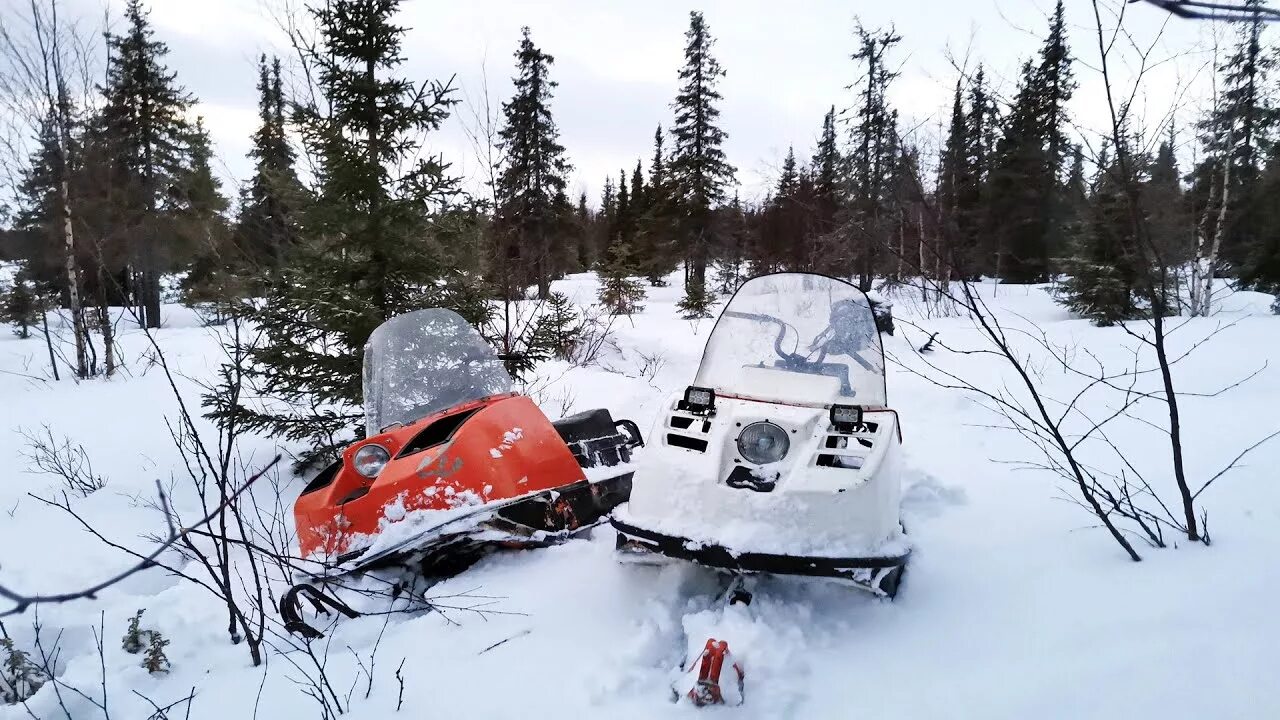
(616, 62)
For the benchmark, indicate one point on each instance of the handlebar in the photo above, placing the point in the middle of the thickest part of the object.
(795, 360)
(782, 332)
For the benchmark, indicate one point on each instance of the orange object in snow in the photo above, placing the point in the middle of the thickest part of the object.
(707, 691)
(494, 448)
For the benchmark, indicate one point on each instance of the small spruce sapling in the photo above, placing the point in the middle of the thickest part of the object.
(19, 677)
(619, 291)
(155, 660)
(696, 303)
(132, 641)
(559, 328)
(21, 307)
(136, 640)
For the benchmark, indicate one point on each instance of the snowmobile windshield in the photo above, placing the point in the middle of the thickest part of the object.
(796, 337)
(425, 361)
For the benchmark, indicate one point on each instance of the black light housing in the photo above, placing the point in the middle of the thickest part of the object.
(698, 400)
(846, 418)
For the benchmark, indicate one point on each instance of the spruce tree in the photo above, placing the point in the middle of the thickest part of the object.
(1077, 191)
(620, 291)
(267, 227)
(1103, 269)
(21, 305)
(953, 178)
(828, 187)
(656, 250)
(1243, 129)
(639, 193)
(789, 178)
(370, 247)
(143, 124)
(974, 252)
(534, 217)
(1168, 220)
(780, 241)
(197, 191)
(584, 228)
(739, 230)
(623, 219)
(699, 171)
(38, 210)
(1264, 255)
(65, 231)
(559, 327)
(602, 225)
(1027, 212)
(874, 153)
(198, 219)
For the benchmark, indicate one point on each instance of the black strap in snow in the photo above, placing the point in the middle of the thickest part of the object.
(291, 610)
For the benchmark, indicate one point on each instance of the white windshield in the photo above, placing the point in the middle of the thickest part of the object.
(423, 362)
(796, 337)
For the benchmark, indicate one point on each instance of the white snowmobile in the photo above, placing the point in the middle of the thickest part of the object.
(782, 457)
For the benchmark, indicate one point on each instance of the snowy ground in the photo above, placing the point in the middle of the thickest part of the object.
(1013, 606)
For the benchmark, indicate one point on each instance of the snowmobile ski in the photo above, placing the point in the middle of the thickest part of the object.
(879, 575)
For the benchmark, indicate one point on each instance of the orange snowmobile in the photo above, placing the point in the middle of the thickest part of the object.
(454, 465)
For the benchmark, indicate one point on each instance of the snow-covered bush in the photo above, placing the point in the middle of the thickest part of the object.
(132, 642)
(619, 290)
(155, 660)
(696, 303)
(559, 328)
(136, 640)
(19, 677)
(1275, 305)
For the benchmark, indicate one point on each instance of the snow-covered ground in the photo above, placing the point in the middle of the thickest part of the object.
(1013, 607)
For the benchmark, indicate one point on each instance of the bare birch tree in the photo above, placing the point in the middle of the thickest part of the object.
(35, 90)
(1209, 242)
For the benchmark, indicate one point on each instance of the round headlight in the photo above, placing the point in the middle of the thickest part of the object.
(370, 459)
(763, 443)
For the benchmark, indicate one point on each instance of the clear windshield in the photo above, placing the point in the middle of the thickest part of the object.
(796, 337)
(425, 361)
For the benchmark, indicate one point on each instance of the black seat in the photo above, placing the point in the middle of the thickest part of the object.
(594, 439)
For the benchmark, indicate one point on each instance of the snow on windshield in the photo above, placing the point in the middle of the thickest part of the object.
(425, 361)
(796, 323)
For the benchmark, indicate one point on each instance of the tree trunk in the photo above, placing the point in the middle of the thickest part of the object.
(78, 327)
(151, 296)
(135, 294)
(902, 246)
(944, 279)
(1202, 243)
(1206, 299)
(104, 324)
(48, 341)
(543, 267)
(1206, 250)
(696, 272)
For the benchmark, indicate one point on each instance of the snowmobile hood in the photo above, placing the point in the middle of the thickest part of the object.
(488, 450)
(799, 338)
